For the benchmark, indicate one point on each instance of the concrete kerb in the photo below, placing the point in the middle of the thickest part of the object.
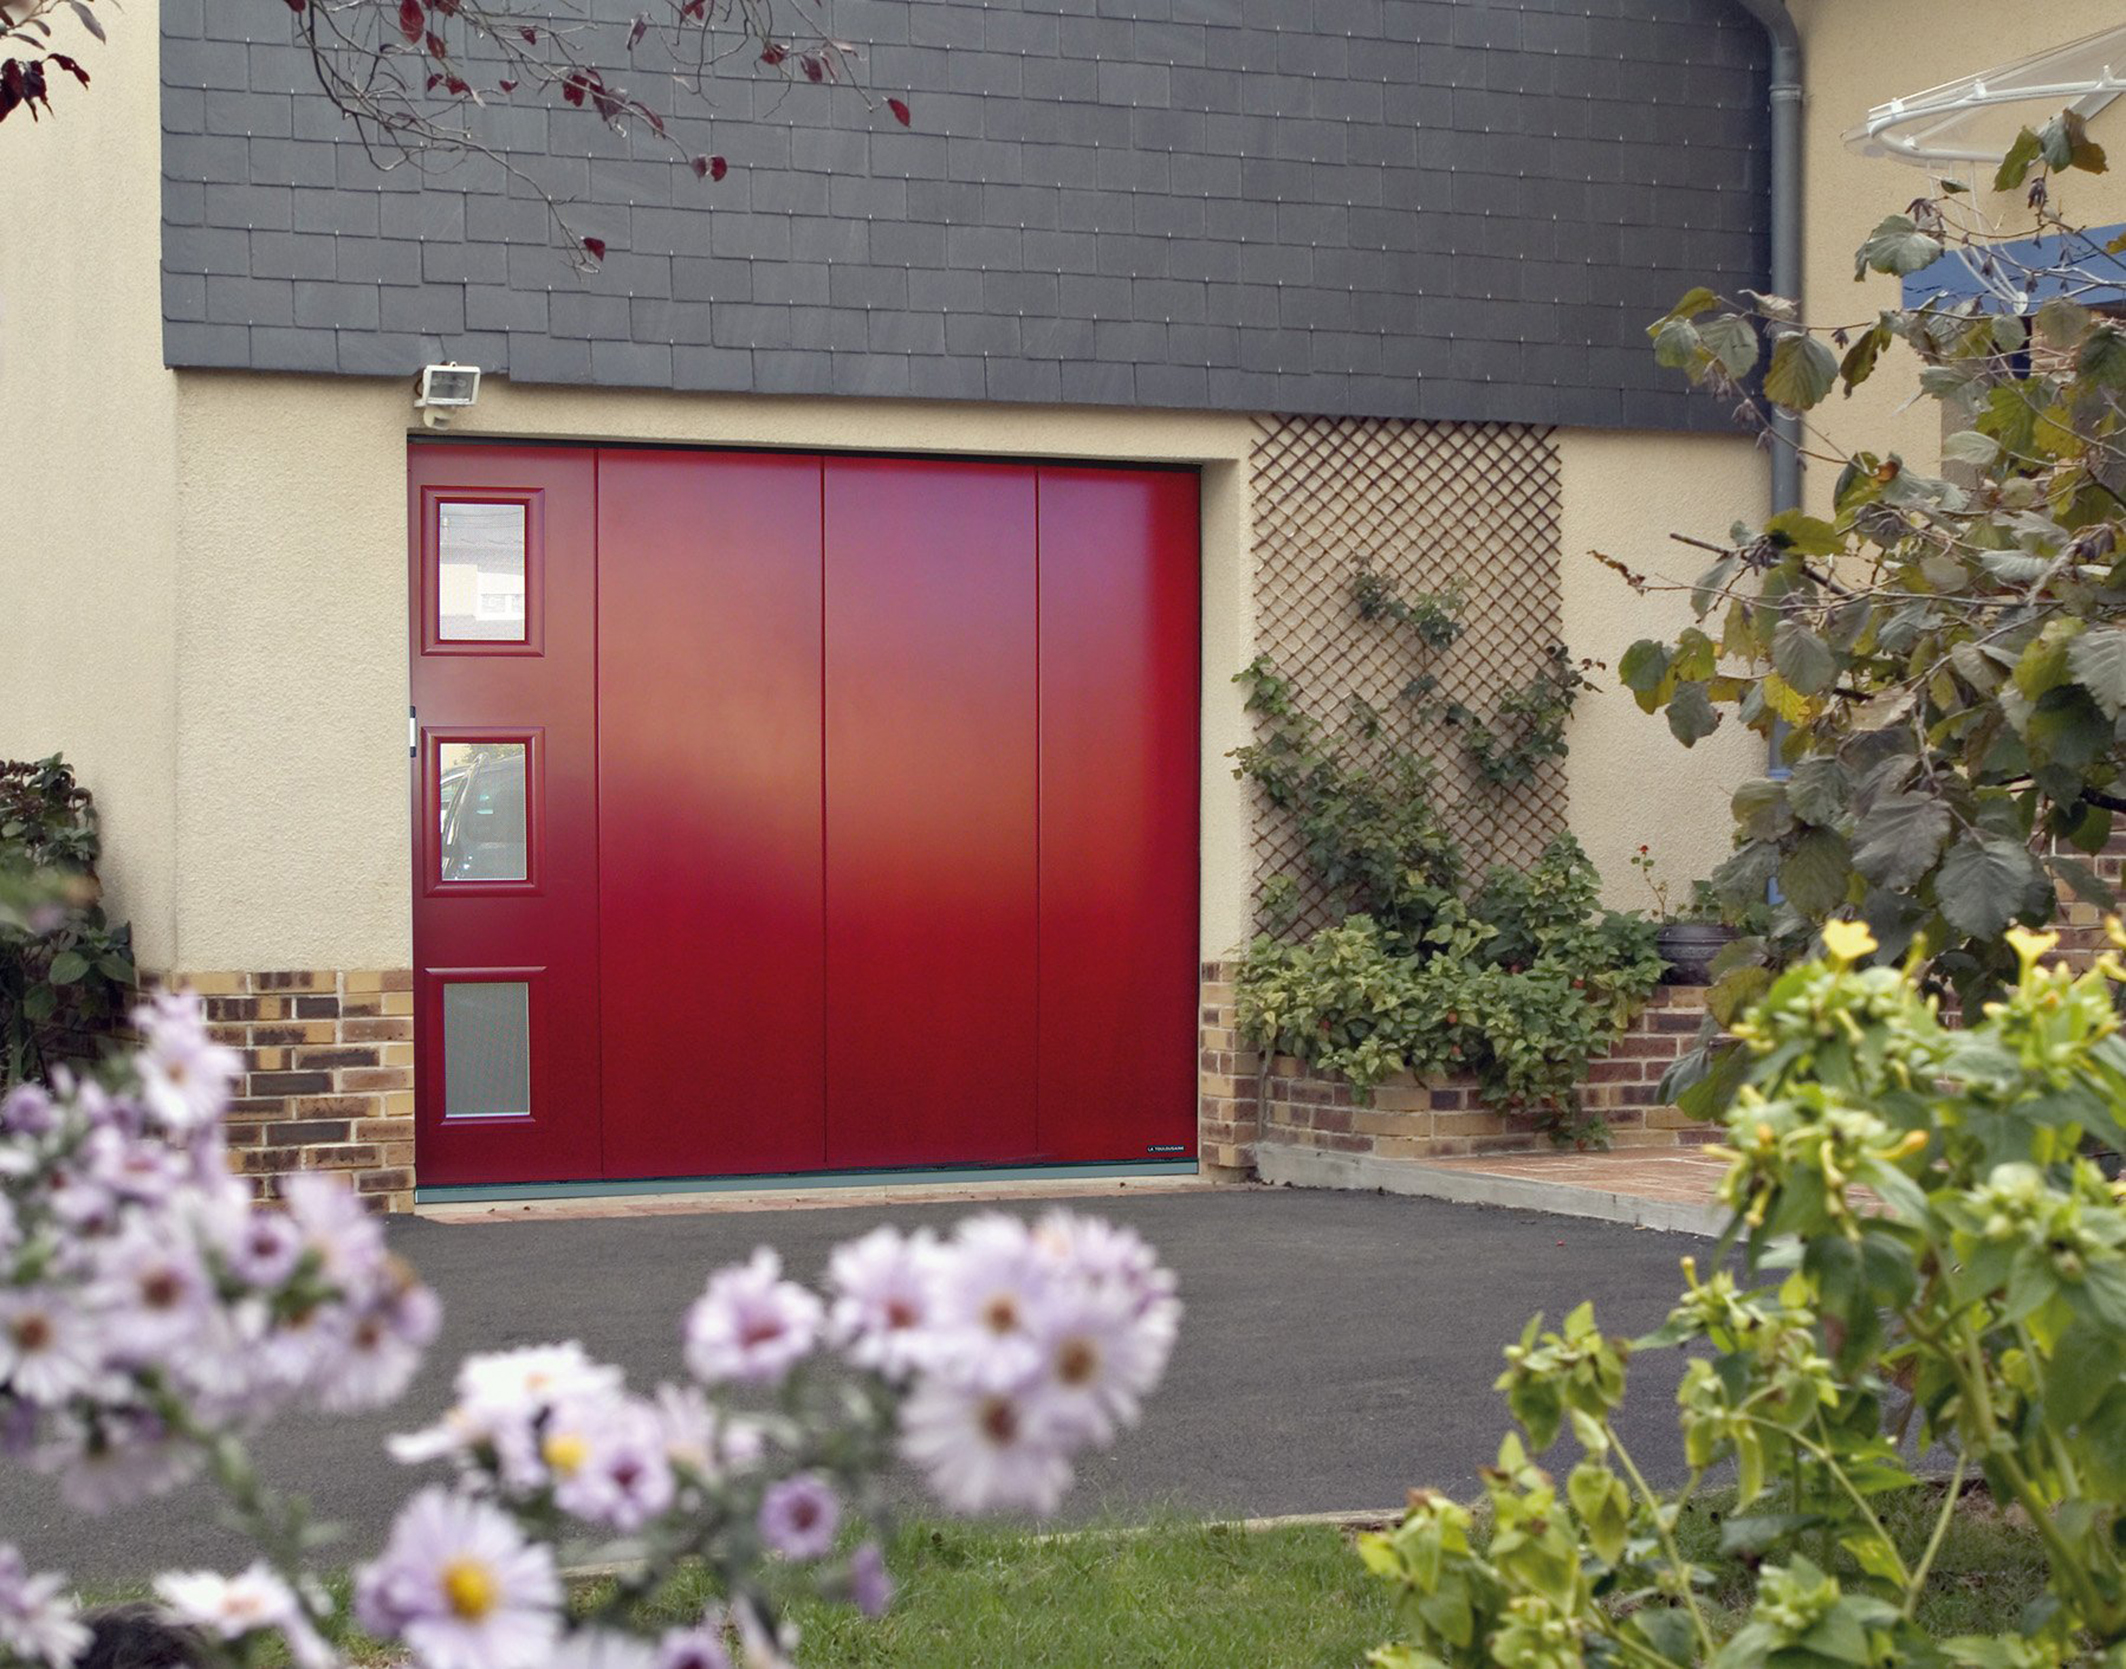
(1301, 1169)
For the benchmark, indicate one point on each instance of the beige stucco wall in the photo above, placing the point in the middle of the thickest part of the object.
(291, 637)
(88, 548)
(1861, 55)
(1630, 781)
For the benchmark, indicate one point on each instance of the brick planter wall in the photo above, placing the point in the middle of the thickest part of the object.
(1242, 1109)
(328, 1075)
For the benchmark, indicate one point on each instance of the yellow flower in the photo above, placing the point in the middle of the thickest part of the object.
(470, 1588)
(566, 1451)
(2030, 946)
(1847, 941)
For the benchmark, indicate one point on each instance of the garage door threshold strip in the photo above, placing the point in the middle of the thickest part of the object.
(804, 1194)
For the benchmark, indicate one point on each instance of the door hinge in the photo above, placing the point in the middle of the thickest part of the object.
(413, 733)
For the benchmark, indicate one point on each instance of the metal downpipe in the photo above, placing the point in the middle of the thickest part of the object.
(1786, 218)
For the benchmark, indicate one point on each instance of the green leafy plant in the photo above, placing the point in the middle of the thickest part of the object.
(1940, 660)
(1519, 988)
(1518, 982)
(1529, 729)
(66, 973)
(1932, 1237)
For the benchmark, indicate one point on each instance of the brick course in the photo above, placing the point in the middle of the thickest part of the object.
(1241, 1107)
(328, 1074)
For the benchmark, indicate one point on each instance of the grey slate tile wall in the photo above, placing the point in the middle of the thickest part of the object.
(1444, 209)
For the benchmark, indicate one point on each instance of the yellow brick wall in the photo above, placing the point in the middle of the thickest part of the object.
(328, 1074)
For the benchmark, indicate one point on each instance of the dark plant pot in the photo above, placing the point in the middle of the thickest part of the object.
(1688, 947)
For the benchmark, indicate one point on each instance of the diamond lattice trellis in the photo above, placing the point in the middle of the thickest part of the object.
(1426, 504)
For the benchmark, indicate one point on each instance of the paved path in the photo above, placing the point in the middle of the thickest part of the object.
(1338, 1348)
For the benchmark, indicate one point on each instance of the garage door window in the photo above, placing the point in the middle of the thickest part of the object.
(481, 790)
(486, 1049)
(480, 573)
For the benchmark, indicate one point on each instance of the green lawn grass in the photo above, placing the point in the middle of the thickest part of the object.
(1180, 1593)
(1175, 1594)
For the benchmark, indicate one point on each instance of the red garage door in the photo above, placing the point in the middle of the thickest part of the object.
(779, 813)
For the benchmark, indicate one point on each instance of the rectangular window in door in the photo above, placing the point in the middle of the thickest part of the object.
(482, 791)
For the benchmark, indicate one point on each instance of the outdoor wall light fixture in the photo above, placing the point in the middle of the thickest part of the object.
(444, 387)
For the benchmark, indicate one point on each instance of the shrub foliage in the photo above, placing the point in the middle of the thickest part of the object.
(1928, 1253)
(65, 971)
(1518, 980)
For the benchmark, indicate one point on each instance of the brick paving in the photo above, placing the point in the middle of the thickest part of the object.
(1683, 1175)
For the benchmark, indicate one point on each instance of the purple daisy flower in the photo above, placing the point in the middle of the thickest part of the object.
(870, 1585)
(459, 1584)
(799, 1516)
(750, 1325)
(37, 1620)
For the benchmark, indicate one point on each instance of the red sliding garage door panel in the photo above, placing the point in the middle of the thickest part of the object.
(1119, 701)
(505, 847)
(931, 856)
(709, 776)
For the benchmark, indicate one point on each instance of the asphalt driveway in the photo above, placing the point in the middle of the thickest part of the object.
(1338, 1348)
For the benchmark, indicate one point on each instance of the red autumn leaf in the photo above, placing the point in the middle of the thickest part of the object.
(75, 70)
(436, 48)
(531, 35)
(813, 68)
(710, 167)
(296, 5)
(434, 81)
(507, 86)
(636, 30)
(900, 111)
(413, 19)
(444, 8)
(694, 8)
(456, 87)
(771, 54)
(594, 248)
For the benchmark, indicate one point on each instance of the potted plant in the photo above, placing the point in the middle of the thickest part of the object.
(1692, 933)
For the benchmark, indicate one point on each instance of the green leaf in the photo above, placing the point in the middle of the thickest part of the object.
(1896, 247)
(1598, 1496)
(1968, 446)
(1983, 883)
(1782, 698)
(68, 967)
(1690, 714)
(1859, 362)
(1667, 1629)
(2086, 1363)
(2065, 143)
(1816, 875)
(2021, 158)
(1643, 666)
(1757, 1533)
(1804, 660)
(1801, 372)
(1732, 340)
(2087, 886)
(1793, 530)
(1816, 789)
(1676, 343)
(2063, 323)
(2097, 661)
(1898, 838)
(1694, 302)
(2103, 357)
